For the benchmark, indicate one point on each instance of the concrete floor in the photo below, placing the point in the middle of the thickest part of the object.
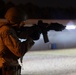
(56, 62)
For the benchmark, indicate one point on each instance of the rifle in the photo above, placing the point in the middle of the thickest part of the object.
(37, 29)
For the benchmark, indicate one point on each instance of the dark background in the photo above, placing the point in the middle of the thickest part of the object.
(44, 3)
(42, 9)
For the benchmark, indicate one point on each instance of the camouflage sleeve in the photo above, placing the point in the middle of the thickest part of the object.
(12, 42)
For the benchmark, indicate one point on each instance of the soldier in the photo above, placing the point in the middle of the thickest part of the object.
(11, 48)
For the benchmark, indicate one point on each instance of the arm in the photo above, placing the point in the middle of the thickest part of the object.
(14, 45)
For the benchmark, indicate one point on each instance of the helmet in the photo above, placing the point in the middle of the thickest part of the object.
(15, 15)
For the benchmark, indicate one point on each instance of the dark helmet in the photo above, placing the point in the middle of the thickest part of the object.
(15, 15)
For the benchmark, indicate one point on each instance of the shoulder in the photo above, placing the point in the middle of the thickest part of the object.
(4, 28)
(7, 31)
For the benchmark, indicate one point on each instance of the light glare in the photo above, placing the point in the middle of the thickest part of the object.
(70, 27)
